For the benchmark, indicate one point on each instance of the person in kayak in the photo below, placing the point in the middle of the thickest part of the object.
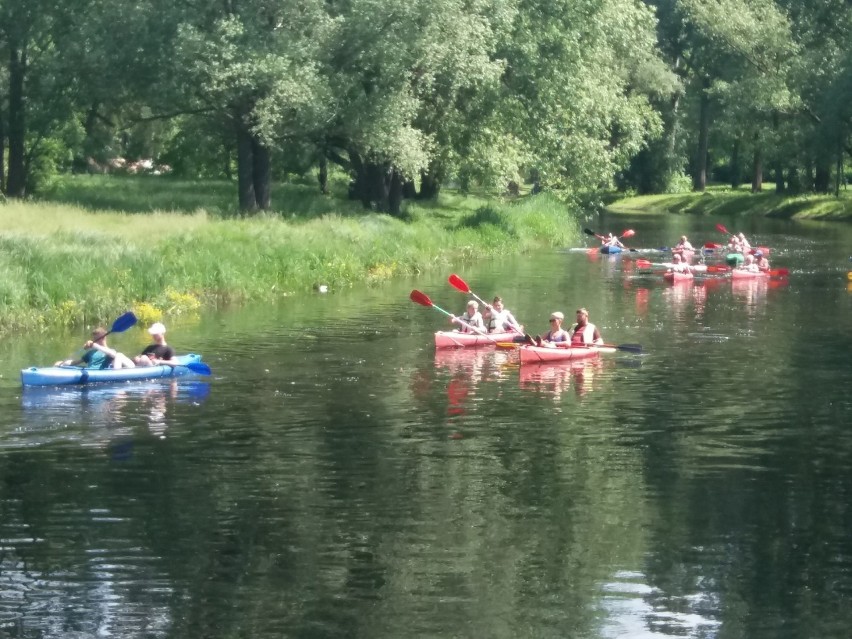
(584, 333)
(556, 334)
(98, 354)
(611, 240)
(761, 261)
(471, 320)
(159, 352)
(679, 265)
(749, 264)
(683, 246)
(500, 319)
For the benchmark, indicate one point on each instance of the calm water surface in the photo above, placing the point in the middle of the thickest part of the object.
(336, 477)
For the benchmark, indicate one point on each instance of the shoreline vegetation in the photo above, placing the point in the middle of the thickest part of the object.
(727, 202)
(95, 246)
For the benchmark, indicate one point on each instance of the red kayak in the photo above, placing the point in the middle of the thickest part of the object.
(678, 276)
(744, 274)
(456, 339)
(537, 354)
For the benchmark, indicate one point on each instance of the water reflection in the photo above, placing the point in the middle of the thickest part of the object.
(99, 415)
(556, 378)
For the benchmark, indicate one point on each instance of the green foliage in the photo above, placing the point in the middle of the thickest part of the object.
(73, 266)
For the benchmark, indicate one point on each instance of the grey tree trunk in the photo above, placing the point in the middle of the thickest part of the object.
(17, 177)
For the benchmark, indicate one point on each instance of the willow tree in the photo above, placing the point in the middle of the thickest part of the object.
(255, 64)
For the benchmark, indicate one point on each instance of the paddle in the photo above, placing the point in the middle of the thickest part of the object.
(122, 323)
(722, 229)
(779, 272)
(460, 285)
(198, 367)
(421, 298)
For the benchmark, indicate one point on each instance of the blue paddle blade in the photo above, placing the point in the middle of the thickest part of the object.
(123, 323)
(199, 368)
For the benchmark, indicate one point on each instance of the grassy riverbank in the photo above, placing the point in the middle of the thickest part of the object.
(72, 262)
(725, 202)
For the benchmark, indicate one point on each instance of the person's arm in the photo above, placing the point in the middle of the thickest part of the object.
(596, 337)
(165, 361)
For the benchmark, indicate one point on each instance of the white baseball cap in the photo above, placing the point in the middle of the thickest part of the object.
(157, 328)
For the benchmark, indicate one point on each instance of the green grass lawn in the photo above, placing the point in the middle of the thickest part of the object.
(723, 201)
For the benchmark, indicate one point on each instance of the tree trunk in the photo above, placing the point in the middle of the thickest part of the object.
(2, 151)
(699, 180)
(395, 193)
(838, 172)
(822, 179)
(794, 182)
(17, 178)
(261, 174)
(378, 182)
(358, 189)
(409, 191)
(735, 169)
(322, 175)
(757, 167)
(430, 185)
(245, 170)
(776, 160)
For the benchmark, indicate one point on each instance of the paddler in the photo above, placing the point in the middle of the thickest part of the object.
(683, 245)
(761, 261)
(611, 240)
(471, 320)
(584, 333)
(679, 265)
(556, 334)
(98, 354)
(500, 319)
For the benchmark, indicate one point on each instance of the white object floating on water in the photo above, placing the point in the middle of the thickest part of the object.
(322, 288)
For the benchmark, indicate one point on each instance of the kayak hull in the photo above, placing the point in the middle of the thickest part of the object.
(537, 354)
(742, 274)
(455, 339)
(611, 250)
(64, 375)
(674, 276)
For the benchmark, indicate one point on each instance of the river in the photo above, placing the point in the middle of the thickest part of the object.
(338, 477)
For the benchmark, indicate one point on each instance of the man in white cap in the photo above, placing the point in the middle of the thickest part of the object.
(159, 352)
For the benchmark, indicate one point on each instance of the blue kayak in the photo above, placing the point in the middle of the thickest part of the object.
(611, 250)
(56, 375)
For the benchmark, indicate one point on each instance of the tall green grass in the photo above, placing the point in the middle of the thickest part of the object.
(65, 264)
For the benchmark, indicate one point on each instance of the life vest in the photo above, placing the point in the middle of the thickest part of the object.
(587, 335)
(471, 321)
(498, 321)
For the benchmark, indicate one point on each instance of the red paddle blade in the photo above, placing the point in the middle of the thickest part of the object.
(643, 264)
(628, 233)
(420, 298)
(717, 269)
(722, 229)
(592, 250)
(458, 283)
(779, 272)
